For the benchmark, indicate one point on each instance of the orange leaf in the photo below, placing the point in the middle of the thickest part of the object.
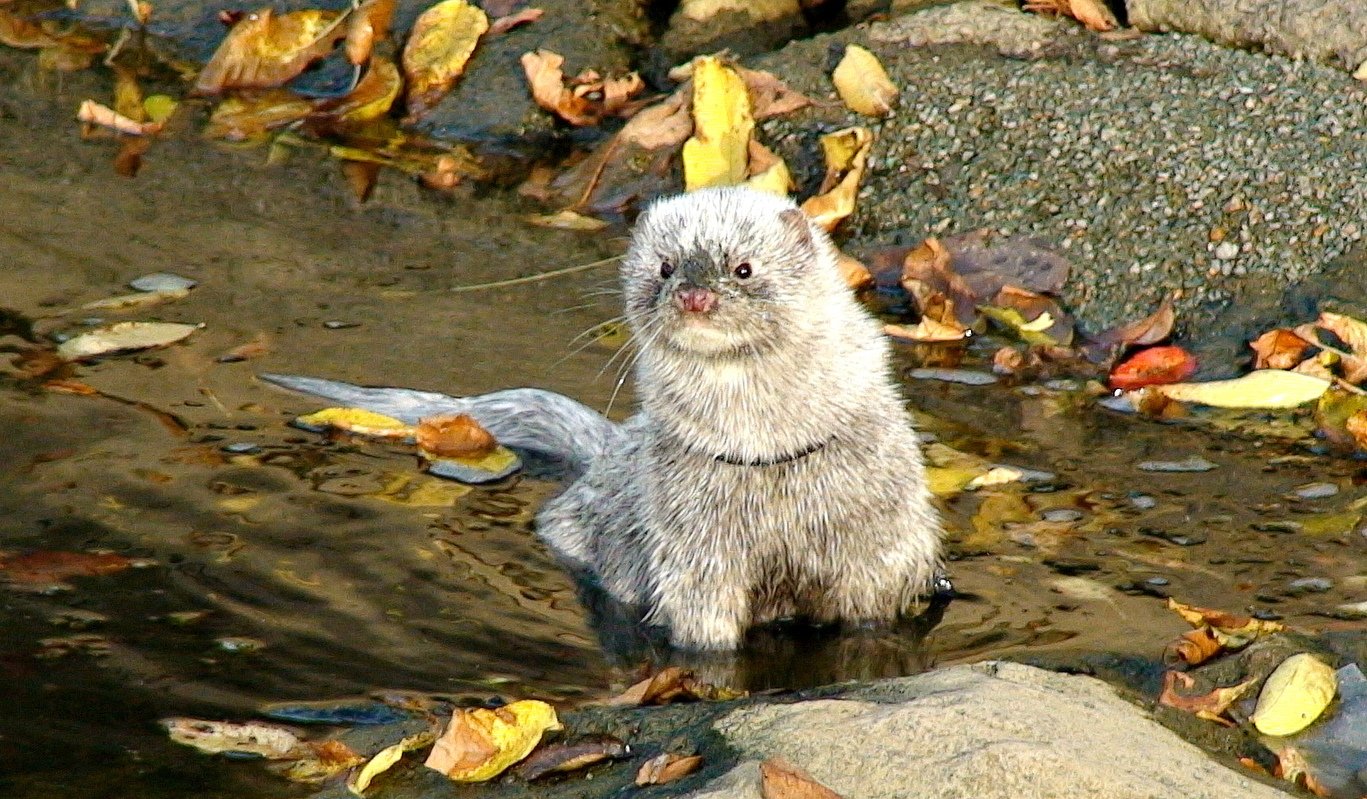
(264, 50)
(782, 780)
(506, 23)
(15, 31)
(1210, 706)
(440, 45)
(1193, 648)
(1153, 366)
(45, 566)
(667, 767)
(458, 436)
(1279, 349)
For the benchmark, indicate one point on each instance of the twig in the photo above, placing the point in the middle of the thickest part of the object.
(517, 281)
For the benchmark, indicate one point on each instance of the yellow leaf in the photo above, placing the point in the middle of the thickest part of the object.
(377, 765)
(847, 153)
(264, 50)
(479, 743)
(768, 172)
(373, 95)
(442, 41)
(1294, 695)
(356, 420)
(862, 83)
(927, 331)
(1031, 331)
(718, 152)
(248, 116)
(1265, 388)
(159, 107)
(128, 95)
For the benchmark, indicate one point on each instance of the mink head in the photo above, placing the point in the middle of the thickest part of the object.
(723, 271)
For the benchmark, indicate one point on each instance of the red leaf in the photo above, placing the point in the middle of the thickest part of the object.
(1154, 366)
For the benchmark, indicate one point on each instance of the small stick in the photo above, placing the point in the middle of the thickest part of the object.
(517, 281)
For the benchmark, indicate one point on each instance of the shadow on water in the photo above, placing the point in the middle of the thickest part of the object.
(290, 566)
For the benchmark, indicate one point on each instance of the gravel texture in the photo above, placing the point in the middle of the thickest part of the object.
(1159, 164)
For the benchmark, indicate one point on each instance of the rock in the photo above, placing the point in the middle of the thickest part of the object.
(1331, 31)
(744, 28)
(988, 730)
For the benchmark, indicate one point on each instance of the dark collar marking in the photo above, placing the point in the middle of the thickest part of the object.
(781, 459)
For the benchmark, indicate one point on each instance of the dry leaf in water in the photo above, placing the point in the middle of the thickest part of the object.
(360, 177)
(583, 100)
(264, 50)
(1295, 694)
(438, 48)
(671, 684)
(1150, 330)
(1153, 366)
(507, 22)
(458, 436)
(124, 337)
(1232, 630)
(853, 272)
(355, 420)
(257, 347)
(846, 152)
(927, 331)
(863, 84)
(567, 220)
(667, 767)
(717, 154)
(1279, 349)
(212, 737)
(371, 99)
(250, 115)
(1092, 13)
(1265, 388)
(1210, 706)
(783, 780)
(1193, 648)
(564, 757)
(16, 31)
(480, 743)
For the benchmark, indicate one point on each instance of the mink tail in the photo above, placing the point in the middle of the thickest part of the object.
(530, 419)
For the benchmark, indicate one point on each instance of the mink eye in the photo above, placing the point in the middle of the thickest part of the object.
(666, 268)
(743, 270)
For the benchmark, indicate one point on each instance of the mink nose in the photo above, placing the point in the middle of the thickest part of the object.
(695, 300)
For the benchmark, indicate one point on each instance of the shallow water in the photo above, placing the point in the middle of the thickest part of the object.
(307, 568)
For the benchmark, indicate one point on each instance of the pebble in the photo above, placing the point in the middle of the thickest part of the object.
(1193, 464)
(1159, 581)
(968, 377)
(1310, 585)
(1316, 490)
(1143, 501)
(162, 281)
(1061, 515)
(241, 448)
(1227, 251)
(338, 324)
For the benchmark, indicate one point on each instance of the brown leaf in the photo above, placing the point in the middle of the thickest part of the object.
(939, 292)
(509, 21)
(249, 115)
(257, 347)
(458, 436)
(465, 745)
(855, 274)
(128, 160)
(1092, 13)
(17, 31)
(1210, 706)
(1141, 333)
(1279, 349)
(1042, 314)
(667, 767)
(46, 567)
(264, 50)
(1193, 648)
(927, 331)
(987, 264)
(371, 99)
(361, 177)
(559, 758)
(672, 684)
(665, 124)
(1357, 428)
(360, 38)
(583, 100)
(1009, 361)
(769, 96)
(1349, 330)
(783, 780)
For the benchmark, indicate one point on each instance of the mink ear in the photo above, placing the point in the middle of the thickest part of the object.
(796, 221)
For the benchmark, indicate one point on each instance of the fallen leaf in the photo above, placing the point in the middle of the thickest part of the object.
(122, 337)
(479, 743)
(1295, 694)
(372, 97)
(1341, 417)
(1210, 706)
(250, 115)
(782, 780)
(141, 299)
(846, 153)
(767, 171)
(853, 272)
(1231, 630)
(16, 31)
(128, 95)
(567, 220)
(438, 48)
(1153, 366)
(1356, 426)
(863, 84)
(1036, 319)
(769, 96)
(507, 22)
(214, 737)
(324, 760)
(355, 420)
(47, 567)
(1265, 388)
(1279, 349)
(672, 684)
(665, 124)
(383, 761)
(1141, 333)
(128, 160)
(717, 154)
(927, 331)
(159, 107)
(93, 113)
(498, 464)
(257, 347)
(667, 767)
(1193, 648)
(564, 757)
(264, 50)
(458, 436)
(1092, 13)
